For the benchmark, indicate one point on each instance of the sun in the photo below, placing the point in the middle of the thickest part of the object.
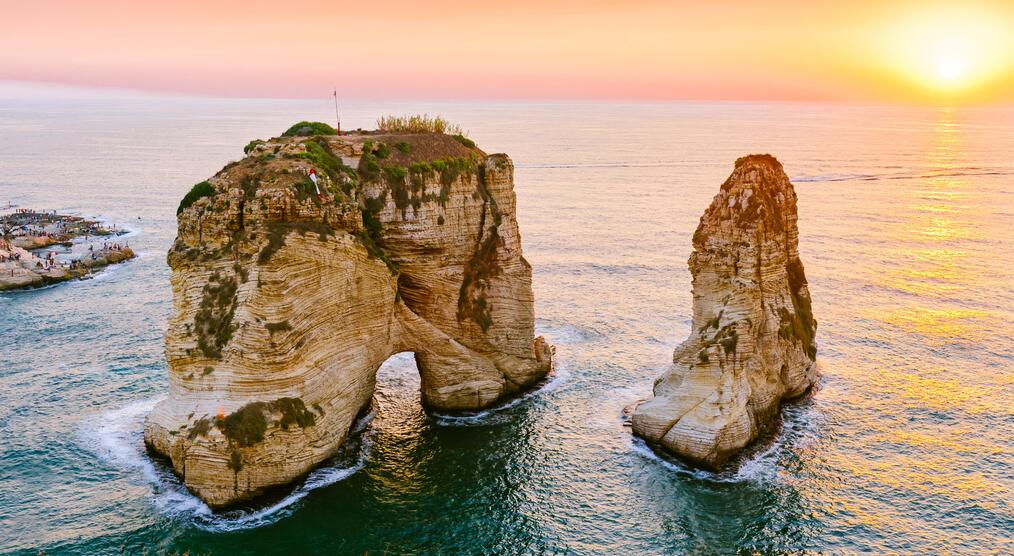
(950, 69)
(949, 52)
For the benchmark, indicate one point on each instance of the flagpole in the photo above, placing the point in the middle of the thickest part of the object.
(337, 116)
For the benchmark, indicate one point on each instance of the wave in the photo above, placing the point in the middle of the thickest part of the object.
(119, 440)
(101, 274)
(565, 334)
(543, 166)
(493, 414)
(952, 173)
(800, 424)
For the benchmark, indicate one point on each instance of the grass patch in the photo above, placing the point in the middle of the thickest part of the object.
(252, 145)
(198, 191)
(403, 147)
(307, 129)
(464, 140)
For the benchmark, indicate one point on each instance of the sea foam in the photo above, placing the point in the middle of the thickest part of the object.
(119, 440)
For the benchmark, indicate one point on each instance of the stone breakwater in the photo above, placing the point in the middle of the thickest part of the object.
(288, 295)
(752, 344)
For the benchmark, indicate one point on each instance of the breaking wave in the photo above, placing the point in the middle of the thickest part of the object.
(800, 424)
(119, 440)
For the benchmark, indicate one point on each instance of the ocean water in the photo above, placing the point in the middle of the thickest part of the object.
(906, 218)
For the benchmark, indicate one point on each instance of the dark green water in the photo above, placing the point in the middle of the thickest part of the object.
(905, 220)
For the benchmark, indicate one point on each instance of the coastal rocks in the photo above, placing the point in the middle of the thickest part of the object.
(752, 343)
(25, 233)
(287, 301)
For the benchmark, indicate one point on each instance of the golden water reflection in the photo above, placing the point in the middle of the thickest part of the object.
(930, 264)
(940, 324)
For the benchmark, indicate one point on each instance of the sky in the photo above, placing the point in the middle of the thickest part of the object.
(857, 50)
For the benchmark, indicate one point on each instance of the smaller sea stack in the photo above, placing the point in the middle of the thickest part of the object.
(752, 344)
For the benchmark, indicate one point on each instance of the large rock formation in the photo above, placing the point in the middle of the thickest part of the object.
(286, 302)
(752, 343)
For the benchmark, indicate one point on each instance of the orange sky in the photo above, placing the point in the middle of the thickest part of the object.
(860, 50)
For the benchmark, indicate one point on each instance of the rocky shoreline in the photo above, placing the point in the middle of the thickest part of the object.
(25, 263)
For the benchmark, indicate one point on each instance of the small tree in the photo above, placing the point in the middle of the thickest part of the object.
(7, 228)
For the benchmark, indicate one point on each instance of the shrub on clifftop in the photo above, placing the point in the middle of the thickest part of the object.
(307, 129)
(198, 191)
(417, 124)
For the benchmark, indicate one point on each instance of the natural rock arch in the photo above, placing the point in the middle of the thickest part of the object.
(286, 303)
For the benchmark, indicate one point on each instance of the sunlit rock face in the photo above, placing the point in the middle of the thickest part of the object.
(287, 302)
(752, 344)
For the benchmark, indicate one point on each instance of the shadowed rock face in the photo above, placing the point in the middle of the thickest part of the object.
(752, 344)
(286, 303)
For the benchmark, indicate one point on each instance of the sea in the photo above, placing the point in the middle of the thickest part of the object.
(906, 232)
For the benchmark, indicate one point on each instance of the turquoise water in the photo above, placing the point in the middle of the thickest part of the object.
(906, 221)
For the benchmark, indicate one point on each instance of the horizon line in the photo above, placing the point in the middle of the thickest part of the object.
(113, 92)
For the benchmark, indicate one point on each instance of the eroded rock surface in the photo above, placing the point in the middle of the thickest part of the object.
(752, 344)
(286, 302)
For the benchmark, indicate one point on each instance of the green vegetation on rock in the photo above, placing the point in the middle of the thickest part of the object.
(251, 145)
(278, 230)
(482, 266)
(306, 129)
(801, 325)
(372, 227)
(464, 140)
(213, 320)
(416, 124)
(246, 426)
(201, 427)
(198, 191)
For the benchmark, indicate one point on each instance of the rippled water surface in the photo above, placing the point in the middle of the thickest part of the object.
(906, 218)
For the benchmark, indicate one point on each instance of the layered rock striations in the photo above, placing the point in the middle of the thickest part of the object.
(287, 302)
(752, 343)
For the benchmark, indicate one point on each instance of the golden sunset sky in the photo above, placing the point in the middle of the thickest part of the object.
(859, 50)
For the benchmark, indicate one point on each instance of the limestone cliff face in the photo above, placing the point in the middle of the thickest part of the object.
(752, 344)
(286, 302)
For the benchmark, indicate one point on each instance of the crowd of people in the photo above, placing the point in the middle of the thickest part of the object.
(49, 224)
